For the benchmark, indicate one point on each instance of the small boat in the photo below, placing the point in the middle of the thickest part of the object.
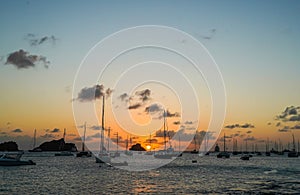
(245, 157)
(14, 159)
(84, 153)
(224, 154)
(293, 153)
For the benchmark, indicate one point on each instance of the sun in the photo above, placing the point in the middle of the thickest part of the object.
(148, 147)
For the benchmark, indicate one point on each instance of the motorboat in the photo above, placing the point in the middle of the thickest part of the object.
(14, 159)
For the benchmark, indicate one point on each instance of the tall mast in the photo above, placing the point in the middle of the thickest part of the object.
(294, 146)
(34, 138)
(165, 141)
(64, 136)
(102, 124)
(84, 131)
(224, 143)
(117, 141)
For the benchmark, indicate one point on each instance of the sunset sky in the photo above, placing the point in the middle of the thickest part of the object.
(255, 44)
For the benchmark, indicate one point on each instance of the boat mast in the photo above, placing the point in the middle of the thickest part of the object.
(224, 143)
(84, 137)
(294, 145)
(34, 138)
(108, 134)
(102, 124)
(117, 141)
(165, 141)
(64, 136)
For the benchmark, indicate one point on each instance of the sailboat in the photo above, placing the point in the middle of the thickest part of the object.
(84, 153)
(34, 144)
(166, 153)
(293, 153)
(103, 156)
(14, 159)
(195, 144)
(150, 152)
(224, 154)
(268, 153)
(117, 153)
(128, 152)
(245, 156)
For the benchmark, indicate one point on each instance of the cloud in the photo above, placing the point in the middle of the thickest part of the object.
(188, 122)
(96, 135)
(87, 94)
(284, 129)
(244, 126)
(22, 59)
(36, 41)
(210, 35)
(95, 127)
(251, 138)
(153, 141)
(144, 95)
(169, 114)
(176, 122)
(47, 136)
(278, 124)
(296, 127)
(124, 97)
(153, 108)
(55, 130)
(291, 113)
(17, 131)
(169, 133)
(134, 106)
(269, 123)
(248, 132)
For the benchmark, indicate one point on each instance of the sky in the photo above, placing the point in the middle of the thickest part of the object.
(255, 45)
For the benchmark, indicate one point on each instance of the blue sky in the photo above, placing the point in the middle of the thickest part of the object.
(256, 45)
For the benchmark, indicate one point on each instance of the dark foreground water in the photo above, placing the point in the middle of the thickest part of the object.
(71, 175)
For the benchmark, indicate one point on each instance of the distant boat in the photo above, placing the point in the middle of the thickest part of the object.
(128, 152)
(84, 153)
(166, 153)
(14, 159)
(293, 153)
(195, 145)
(224, 154)
(268, 153)
(103, 156)
(246, 155)
(34, 149)
(150, 152)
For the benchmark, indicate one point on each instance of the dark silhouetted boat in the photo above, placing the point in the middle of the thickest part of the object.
(14, 159)
(224, 154)
(84, 153)
(293, 153)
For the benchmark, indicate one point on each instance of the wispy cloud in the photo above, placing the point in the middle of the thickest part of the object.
(35, 40)
(242, 126)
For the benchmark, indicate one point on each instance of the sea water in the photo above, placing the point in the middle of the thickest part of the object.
(71, 175)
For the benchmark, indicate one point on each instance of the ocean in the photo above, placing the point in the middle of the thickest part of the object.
(209, 175)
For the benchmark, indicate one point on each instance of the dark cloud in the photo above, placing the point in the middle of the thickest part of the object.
(134, 106)
(248, 132)
(95, 127)
(55, 130)
(48, 136)
(169, 133)
(124, 97)
(243, 126)
(17, 131)
(34, 40)
(188, 122)
(291, 113)
(153, 108)
(169, 114)
(269, 123)
(284, 129)
(251, 138)
(144, 95)
(296, 127)
(90, 93)
(278, 124)
(153, 141)
(22, 59)
(176, 122)
(96, 135)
